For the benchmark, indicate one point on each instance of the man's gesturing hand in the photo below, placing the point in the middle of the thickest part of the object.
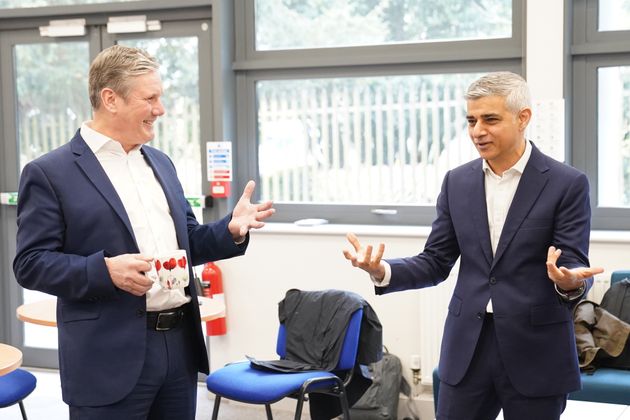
(127, 272)
(567, 279)
(246, 215)
(363, 258)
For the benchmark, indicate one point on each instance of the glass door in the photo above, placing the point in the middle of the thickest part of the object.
(42, 108)
(45, 100)
(182, 49)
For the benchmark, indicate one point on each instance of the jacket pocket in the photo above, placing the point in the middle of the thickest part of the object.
(549, 314)
(455, 306)
(80, 311)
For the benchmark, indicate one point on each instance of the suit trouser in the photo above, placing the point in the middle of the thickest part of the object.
(486, 389)
(167, 386)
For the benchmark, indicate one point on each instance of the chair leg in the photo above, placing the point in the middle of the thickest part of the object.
(344, 405)
(215, 410)
(298, 407)
(268, 411)
(23, 411)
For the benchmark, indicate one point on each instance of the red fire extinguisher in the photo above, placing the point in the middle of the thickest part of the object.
(213, 288)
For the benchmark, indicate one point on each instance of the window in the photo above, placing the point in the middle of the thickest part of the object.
(282, 24)
(601, 107)
(388, 139)
(355, 108)
(614, 15)
(14, 4)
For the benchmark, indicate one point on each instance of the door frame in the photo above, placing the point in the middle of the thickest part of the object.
(175, 23)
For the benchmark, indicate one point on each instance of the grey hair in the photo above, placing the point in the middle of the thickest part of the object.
(506, 84)
(114, 67)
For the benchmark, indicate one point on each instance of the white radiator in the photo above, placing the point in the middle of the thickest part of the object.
(434, 307)
(600, 285)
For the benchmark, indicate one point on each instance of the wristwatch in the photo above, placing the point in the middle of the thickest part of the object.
(571, 295)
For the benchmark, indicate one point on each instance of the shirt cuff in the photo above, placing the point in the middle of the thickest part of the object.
(571, 295)
(386, 278)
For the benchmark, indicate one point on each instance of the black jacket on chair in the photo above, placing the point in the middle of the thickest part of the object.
(317, 345)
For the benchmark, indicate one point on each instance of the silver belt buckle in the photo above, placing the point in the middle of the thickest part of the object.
(159, 317)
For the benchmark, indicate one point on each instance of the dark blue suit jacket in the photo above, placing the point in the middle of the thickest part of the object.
(533, 326)
(69, 219)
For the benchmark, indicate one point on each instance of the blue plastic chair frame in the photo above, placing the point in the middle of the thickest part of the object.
(606, 385)
(240, 382)
(14, 387)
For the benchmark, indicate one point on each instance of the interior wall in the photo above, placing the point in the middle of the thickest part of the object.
(281, 257)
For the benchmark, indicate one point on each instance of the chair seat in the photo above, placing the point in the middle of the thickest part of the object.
(606, 385)
(240, 382)
(15, 386)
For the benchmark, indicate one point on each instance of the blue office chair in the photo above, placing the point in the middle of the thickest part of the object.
(240, 382)
(14, 387)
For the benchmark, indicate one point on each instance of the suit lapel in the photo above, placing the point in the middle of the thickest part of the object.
(177, 211)
(530, 186)
(89, 164)
(479, 209)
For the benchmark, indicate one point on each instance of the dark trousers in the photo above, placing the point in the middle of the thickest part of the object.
(486, 389)
(167, 386)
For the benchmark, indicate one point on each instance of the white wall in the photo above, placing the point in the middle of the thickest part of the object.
(282, 257)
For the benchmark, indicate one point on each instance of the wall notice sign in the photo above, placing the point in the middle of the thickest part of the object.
(219, 160)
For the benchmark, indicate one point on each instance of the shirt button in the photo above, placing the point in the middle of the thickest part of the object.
(139, 313)
(493, 280)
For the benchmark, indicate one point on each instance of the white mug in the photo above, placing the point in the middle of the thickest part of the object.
(172, 269)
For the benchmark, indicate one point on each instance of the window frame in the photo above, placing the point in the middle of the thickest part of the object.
(589, 51)
(423, 58)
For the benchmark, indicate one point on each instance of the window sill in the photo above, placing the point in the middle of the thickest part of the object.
(597, 236)
(339, 229)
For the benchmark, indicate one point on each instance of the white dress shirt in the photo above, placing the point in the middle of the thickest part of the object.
(500, 190)
(145, 203)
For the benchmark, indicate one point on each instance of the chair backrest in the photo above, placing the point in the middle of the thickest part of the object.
(619, 275)
(350, 342)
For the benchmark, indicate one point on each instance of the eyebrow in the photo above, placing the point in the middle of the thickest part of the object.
(491, 115)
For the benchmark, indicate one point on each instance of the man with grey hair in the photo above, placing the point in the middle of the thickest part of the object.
(520, 223)
(92, 215)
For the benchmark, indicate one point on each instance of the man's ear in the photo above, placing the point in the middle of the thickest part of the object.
(524, 116)
(108, 100)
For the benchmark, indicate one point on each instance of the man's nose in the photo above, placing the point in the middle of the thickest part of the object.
(159, 109)
(478, 129)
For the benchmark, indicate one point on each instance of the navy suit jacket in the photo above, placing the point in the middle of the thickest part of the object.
(69, 219)
(533, 325)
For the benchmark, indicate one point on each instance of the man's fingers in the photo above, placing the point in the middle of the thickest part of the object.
(352, 238)
(262, 215)
(248, 190)
(595, 270)
(264, 206)
(367, 257)
(379, 254)
(553, 254)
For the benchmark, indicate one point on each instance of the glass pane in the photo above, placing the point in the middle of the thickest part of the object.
(52, 101)
(15, 4)
(177, 132)
(38, 336)
(287, 24)
(613, 136)
(614, 15)
(370, 140)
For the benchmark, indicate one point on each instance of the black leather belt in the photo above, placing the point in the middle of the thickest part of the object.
(165, 320)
